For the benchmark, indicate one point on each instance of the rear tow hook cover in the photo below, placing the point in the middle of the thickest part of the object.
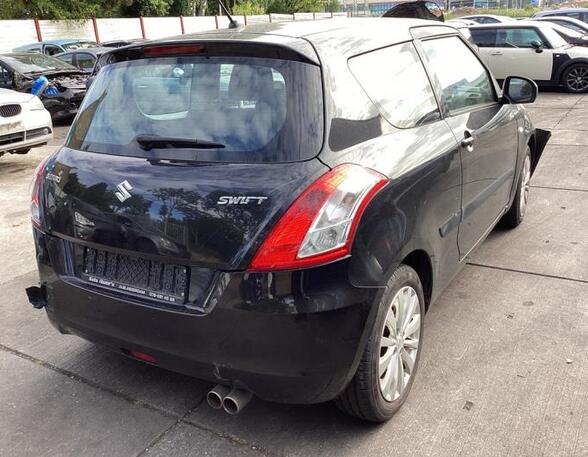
(37, 296)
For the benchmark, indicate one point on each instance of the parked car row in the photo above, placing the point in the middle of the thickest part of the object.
(547, 53)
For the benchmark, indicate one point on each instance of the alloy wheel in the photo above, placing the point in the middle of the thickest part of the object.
(399, 343)
(525, 186)
(577, 79)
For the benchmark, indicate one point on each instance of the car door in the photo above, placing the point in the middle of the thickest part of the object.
(85, 61)
(514, 54)
(51, 49)
(485, 129)
(6, 77)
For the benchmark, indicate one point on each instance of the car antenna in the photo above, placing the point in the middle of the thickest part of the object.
(233, 24)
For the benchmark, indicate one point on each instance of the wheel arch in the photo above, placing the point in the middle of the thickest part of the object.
(567, 65)
(420, 262)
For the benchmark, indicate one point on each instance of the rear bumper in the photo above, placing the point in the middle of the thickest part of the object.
(305, 352)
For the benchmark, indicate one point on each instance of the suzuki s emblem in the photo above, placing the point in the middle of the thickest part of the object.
(123, 191)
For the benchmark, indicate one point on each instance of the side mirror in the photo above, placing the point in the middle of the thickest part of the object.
(519, 90)
(537, 45)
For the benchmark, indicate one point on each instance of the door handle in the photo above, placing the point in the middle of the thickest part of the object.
(496, 53)
(468, 142)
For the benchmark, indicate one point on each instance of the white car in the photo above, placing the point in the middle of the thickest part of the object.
(24, 122)
(534, 50)
(569, 22)
(487, 18)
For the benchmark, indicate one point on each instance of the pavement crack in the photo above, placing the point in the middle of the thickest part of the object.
(235, 439)
(560, 188)
(533, 273)
(88, 382)
(178, 418)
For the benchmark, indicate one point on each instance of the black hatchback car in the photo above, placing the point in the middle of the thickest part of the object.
(274, 209)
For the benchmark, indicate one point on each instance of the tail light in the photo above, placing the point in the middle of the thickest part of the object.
(320, 225)
(36, 193)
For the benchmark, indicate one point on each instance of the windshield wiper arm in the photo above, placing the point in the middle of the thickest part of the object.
(149, 142)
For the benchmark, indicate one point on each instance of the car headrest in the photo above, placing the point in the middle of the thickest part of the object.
(250, 82)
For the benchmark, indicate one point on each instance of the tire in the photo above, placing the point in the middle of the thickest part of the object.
(367, 396)
(575, 78)
(22, 151)
(516, 213)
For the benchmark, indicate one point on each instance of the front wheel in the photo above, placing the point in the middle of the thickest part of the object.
(575, 78)
(389, 363)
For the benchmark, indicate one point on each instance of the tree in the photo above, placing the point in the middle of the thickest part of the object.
(295, 6)
(148, 8)
(61, 9)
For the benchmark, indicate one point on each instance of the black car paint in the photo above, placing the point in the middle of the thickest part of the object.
(71, 87)
(289, 336)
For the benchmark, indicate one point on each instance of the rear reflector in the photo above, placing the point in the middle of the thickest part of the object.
(141, 356)
(36, 193)
(320, 225)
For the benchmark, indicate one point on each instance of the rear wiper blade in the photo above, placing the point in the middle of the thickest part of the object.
(148, 142)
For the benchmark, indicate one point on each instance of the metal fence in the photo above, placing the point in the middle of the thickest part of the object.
(14, 33)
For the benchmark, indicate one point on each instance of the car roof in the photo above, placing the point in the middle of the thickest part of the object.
(510, 25)
(560, 18)
(562, 10)
(95, 51)
(68, 41)
(482, 15)
(59, 42)
(347, 35)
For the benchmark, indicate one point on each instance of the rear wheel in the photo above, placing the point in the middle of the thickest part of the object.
(575, 78)
(389, 364)
(517, 210)
(22, 151)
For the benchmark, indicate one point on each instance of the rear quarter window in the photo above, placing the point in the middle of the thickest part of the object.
(395, 80)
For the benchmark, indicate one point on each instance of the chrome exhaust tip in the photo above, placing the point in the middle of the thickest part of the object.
(236, 400)
(215, 397)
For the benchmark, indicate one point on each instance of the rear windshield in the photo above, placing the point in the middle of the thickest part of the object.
(79, 45)
(240, 109)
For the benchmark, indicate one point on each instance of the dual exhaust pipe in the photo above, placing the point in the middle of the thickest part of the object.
(231, 400)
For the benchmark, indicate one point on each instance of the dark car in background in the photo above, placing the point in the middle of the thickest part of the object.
(53, 47)
(565, 21)
(274, 208)
(577, 13)
(120, 43)
(84, 59)
(66, 84)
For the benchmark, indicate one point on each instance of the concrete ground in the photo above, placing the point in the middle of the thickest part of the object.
(504, 368)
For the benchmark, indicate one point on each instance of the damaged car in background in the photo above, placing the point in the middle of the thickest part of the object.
(60, 86)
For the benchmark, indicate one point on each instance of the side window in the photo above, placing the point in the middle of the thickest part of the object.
(395, 80)
(66, 58)
(484, 38)
(5, 77)
(517, 38)
(85, 61)
(569, 25)
(52, 50)
(464, 80)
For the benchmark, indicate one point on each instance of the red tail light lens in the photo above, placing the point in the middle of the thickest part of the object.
(320, 225)
(36, 193)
